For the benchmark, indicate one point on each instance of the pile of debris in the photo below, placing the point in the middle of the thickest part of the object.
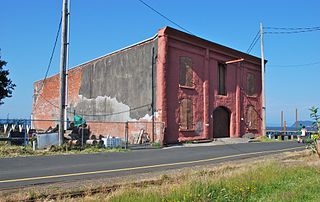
(76, 135)
(79, 134)
(141, 138)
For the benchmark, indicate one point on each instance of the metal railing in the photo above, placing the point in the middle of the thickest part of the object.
(286, 134)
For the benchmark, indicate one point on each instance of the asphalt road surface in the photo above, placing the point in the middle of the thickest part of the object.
(26, 171)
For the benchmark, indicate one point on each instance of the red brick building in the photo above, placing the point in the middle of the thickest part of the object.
(187, 83)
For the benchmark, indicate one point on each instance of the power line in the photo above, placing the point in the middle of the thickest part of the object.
(49, 65)
(48, 101)
(56, 106)
(293, 32)
(51, 57)
(296, 65)
(115, 113)
(165, 17)
(253, 43)
(96, 115)
(291, 28)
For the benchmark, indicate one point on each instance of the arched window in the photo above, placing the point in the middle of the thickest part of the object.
(252, 118)
(185, 72)
(186, 114)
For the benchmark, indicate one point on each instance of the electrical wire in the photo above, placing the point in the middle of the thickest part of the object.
(291, 28)
(56, 106)
(95, 115)
(253, 43)
(115, 113)
(49, 66)
(293, 32)
(165, 17)
(51, 56)
(296, 65)
(48, 101)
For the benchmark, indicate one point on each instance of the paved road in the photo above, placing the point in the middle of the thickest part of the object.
(24, 171)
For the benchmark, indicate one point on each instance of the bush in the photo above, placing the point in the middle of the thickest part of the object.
(312, 142)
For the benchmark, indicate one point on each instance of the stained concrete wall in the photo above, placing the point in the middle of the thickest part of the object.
(118, 87)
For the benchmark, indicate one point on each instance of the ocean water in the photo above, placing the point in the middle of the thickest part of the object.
(15, 121)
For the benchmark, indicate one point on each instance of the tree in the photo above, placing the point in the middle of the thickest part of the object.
(6, 85)
(314, 142)
(316, 118)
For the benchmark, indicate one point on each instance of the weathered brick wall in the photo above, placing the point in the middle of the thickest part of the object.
(118, 129)
(45, 108)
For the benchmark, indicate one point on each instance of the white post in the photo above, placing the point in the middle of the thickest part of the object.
(263, 127)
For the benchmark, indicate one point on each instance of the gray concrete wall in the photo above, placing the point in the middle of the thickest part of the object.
(117, 83)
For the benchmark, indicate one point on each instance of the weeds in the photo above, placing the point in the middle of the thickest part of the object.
(15, 151)
(156, 145)
(270, 182)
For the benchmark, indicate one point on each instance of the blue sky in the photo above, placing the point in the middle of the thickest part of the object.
(28, 30)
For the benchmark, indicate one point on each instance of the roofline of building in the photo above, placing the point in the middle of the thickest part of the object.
(168, 30)
(172, 31)
(108, 54)
(119, 50)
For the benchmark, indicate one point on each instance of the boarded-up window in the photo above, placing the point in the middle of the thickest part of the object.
(222, 79)
(185, 72)
(251, 87)
(252, 118)
(186, 114)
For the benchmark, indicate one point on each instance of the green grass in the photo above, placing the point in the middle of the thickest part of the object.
(15, 151)
(271, 182)
(157, 145)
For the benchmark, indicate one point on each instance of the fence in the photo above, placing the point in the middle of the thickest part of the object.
(131, 132)
(15, 131)
(284, 134)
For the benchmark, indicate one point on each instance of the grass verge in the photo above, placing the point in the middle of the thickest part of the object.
(271, 181)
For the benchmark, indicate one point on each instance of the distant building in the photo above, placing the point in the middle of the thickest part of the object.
(197, 94)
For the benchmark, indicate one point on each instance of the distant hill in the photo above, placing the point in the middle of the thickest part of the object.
(307, 124)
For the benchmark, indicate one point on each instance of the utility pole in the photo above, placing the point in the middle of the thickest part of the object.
(281, 120)
(63, 67)
(296, 119)
(263, 127)
(67, 65)
(152, 91)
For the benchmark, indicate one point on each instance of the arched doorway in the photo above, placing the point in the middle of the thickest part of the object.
(221, 122)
